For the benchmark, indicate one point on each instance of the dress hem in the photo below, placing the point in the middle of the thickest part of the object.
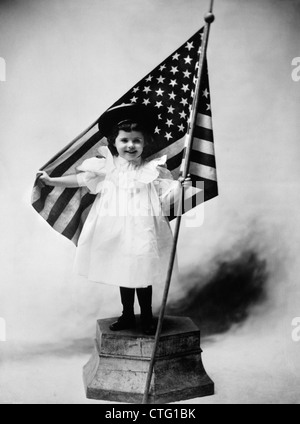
(117, 284)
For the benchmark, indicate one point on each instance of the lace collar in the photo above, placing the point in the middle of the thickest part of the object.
(125, 165)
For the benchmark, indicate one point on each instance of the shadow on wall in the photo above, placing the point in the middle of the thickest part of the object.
(228, 296)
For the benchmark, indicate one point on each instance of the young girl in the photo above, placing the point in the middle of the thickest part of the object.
(126, 239)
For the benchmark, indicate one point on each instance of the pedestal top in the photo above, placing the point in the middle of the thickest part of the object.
(172, 326)
(179, 336)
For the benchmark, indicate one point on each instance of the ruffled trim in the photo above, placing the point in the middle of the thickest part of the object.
(93, 171)
(97, 165)
(152, 170)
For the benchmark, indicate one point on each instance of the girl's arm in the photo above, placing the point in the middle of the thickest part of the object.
(68, 181)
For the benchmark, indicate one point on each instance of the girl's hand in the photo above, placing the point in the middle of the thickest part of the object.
(66, 181)
(44, 178)
(185, 182)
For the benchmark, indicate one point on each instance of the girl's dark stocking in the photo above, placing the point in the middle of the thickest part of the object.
(127, 299)
(127, 320)
(145, 301)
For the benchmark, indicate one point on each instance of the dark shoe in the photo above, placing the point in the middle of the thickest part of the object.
(123, 323)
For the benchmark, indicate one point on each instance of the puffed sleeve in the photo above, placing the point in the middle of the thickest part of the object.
(92, 173)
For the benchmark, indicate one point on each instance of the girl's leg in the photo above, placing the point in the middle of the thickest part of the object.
(127, 320)
(145, 301)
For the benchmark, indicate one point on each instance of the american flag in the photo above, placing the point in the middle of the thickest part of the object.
(169, 89)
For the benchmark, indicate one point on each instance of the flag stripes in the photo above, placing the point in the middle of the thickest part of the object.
(79, 216)
(203, 146)
(204, 121)
(202, 172)
(60, 205)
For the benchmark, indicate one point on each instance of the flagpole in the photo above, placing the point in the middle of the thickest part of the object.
(209, 19)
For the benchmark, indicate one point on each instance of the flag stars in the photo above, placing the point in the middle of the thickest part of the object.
(173, 83)
(205, 93)
(160, 92)
(174, 70)
(187, 74)
(190, 46)
(185, 88)
(160, 80)
(184, 102)
(188, 60)
(171, 89)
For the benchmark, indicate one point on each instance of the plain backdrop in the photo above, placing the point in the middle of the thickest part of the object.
(67, 61)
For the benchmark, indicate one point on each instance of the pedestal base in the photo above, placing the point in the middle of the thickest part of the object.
(118, 368)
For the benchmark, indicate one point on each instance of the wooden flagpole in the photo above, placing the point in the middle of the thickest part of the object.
(209, 19)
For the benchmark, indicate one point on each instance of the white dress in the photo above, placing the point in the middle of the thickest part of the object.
(126, 239)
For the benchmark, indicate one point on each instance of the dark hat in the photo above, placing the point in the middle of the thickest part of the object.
(140, 114)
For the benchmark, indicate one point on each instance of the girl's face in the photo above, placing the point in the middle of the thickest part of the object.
(130, 145)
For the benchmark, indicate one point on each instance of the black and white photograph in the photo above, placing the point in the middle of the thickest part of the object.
(150, 196)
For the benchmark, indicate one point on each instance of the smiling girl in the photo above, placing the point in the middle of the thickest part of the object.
(126, 239)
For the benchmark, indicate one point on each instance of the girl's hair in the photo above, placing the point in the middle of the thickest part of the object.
(129, 126)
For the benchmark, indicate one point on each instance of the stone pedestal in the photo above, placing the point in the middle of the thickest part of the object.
(118, 369)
